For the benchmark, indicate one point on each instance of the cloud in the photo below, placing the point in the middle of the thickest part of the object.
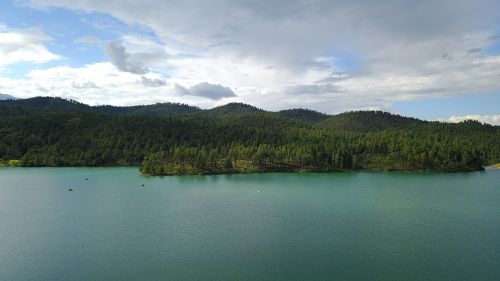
(297, 30)
(152, 82)
(84, 85)
(95, 84)
(474, 50)
(206, 90)
(89, 40)
(490, 119)
(312, 89)
(41, 90)
(123, 60)
(386, 52)
(24, 45)
(99, 83)
(136, 54)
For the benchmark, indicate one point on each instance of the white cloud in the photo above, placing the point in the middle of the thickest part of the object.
(100, 83)
(207, 90)
(24, 45)
(326, 55)
(490, 119)
(152, 82)
(84, 85)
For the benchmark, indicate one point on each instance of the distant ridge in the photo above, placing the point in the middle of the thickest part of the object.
(352, 121)
(307, 115)
(369, 121)
(153, 110)
(56, 104)
(6, 97)
(235, 108)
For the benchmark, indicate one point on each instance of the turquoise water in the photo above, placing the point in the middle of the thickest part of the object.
(340, 226)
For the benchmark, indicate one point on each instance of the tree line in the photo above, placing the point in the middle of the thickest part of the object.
(248, 140)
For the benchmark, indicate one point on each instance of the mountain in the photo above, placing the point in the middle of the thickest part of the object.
(305, 115)
(6, 97)
(239, 113)
(46, 104)
(236, 137)
(363, 121)
(369, 121)
(56, 104)
(234, 108)
(153, 110)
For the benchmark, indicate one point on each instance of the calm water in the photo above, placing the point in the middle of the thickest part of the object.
(344, 226)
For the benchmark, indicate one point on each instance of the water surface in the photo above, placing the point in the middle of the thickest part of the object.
(285, 226)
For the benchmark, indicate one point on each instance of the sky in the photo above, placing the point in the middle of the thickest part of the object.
(435, 60)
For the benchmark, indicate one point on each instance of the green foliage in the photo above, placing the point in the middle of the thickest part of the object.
(328, 151)
(233, 108)
(54, 104)
(305, 115)
(169, 139)
(14, 163)
(369, 121)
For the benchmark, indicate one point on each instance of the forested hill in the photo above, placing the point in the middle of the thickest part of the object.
(306, 115)
(233, 109)
(369, 121)
(51, 104)
(170, 138)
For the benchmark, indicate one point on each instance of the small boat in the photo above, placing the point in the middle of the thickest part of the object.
(71, 189)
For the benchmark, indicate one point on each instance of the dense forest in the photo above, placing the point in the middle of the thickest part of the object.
(171, 139)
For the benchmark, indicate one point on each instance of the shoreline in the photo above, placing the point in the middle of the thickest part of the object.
(307, 170)
(211, 173)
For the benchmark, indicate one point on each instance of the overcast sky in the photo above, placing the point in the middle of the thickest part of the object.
(430, 59)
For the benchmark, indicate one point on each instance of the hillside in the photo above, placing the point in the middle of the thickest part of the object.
(360, 120)
(235, 138)
(233, 109)
(55, 104)
(154, 110)
(368, 121)
(46, 104)
(305, 115)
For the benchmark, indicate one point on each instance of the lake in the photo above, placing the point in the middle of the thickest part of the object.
(282, 226)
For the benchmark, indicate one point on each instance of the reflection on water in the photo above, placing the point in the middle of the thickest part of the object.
(118, 225)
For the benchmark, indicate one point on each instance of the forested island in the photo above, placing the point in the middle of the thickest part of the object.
(178, 139)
